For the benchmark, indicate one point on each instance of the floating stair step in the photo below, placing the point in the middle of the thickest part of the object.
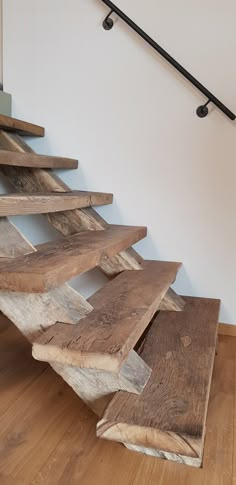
(32, 160)
(170, 414)
(41, 203)
(103, 339)
(21, 127)
(58, 261)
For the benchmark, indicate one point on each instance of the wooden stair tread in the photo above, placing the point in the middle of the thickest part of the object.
(123, 309)
(20, 127)
(32, 160)
(170, 414)
(41, 203)
(58, 261)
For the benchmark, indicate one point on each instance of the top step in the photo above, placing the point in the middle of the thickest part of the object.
(122, 310)
(20, 127)
(32, 160)
(170, 414)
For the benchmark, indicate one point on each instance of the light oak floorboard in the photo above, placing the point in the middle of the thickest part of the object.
(226, 329)
(47, 435)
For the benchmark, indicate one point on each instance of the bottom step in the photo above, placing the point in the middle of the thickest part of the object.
(169, 416)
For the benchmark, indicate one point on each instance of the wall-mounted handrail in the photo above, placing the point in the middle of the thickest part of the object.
(202, 111)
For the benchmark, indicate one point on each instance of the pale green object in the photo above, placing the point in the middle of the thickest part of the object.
(5, 104)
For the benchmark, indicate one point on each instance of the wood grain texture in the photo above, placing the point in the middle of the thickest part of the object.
(21, 127)
(96, 387)
(132, 377)
(47, 435)
(170, 414)
(227, 329)
(105, 337)
(33, 314)
(69, 222)
(59, 261)
(12, 243)
(17, 371)
(172, 302)
(165, 455)
(35, 161)
(41, 203)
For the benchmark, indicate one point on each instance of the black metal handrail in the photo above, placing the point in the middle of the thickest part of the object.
(202, 111)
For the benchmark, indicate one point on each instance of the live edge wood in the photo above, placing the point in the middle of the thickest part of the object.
(21, 127)
(171, 412)
(104, 338)
(32, 160)
(56, 262)
(41, 203)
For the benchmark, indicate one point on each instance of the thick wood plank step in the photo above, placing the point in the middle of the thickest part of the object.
(21, 127)
(170, 414)
(32, 160)
(122, 311)
(59, 261)
(41, 203)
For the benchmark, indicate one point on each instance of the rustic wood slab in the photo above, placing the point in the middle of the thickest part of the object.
(170, 414)
(21, 127)
(72, 222)
(35, 161)
(34, 313)
(92, 386)
(58, 261)
(103, 339)
(69, 222)
(42, 203)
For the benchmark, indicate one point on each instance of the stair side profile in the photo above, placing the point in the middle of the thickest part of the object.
(44, 203)
(135, 337)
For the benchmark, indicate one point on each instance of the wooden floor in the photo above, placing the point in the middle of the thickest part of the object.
(47, 435)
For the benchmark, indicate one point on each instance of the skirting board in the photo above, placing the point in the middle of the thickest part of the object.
(227, 329)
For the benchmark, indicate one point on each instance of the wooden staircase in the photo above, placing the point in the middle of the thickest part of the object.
(137, 353)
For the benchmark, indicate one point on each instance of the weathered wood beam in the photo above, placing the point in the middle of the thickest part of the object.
(69, 222)
(35, 161)
(22, 127)
(124, 308)
(46, 202)
(33, 314)
(56, 262)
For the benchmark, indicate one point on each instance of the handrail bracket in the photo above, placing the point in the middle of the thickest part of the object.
(202, 111)
(108, 22)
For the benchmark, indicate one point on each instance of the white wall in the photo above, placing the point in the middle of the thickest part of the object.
(108, 99)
